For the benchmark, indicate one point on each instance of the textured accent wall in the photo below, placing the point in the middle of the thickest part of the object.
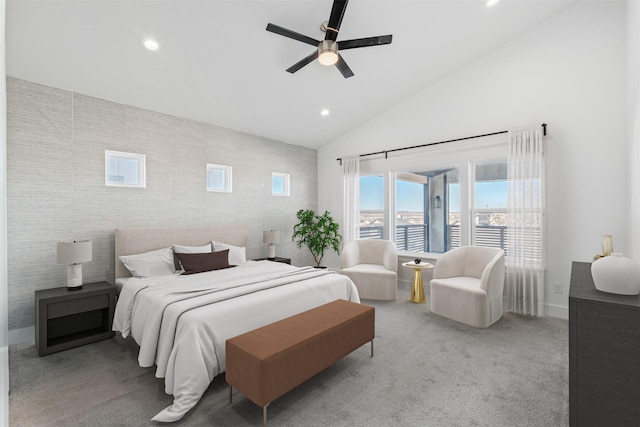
(56, 191)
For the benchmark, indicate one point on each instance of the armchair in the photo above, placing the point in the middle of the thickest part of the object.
(467, 285)
(372, 264)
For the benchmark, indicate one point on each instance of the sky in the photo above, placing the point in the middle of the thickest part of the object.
(409, 195)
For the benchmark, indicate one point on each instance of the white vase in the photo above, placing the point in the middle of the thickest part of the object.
(616, 274)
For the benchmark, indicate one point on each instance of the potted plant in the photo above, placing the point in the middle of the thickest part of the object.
(316, 232)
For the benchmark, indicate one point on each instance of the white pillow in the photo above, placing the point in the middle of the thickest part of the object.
(179, 249)
(237, 254)
(150, 264)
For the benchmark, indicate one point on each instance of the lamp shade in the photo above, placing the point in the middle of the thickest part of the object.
(74, 252)
(271, 236)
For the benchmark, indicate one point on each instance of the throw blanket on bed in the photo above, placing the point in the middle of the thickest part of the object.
(182, 322)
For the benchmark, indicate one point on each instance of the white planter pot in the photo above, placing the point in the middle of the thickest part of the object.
(617, 275)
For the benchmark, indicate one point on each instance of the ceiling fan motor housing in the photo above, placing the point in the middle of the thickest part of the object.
(328, 52)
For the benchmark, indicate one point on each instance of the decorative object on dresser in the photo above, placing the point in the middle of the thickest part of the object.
(616, 274)
(65, 320)
(267, 362)
(607, 247)
(317, 232)
(73, 255)
(604, 354)
(271, 238)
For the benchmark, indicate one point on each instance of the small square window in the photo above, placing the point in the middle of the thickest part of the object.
(219, 178)
(280, 184)
(124, 169)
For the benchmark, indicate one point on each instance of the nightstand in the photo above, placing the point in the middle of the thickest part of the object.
(67, 319)
(276, 259)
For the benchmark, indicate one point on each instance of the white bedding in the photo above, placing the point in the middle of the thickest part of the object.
(181, 323)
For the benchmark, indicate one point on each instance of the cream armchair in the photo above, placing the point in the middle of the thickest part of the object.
(372, 264)
(467, 285)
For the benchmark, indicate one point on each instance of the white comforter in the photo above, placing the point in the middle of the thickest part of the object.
(182, 322)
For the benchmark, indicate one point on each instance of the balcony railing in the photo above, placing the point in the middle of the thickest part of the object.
(409, 237)
(414, 237)
(371, 232)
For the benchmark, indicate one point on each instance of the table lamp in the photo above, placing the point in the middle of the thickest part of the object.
(73, 255)
(271, 237)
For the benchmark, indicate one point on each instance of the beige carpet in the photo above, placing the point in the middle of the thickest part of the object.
(427, 371)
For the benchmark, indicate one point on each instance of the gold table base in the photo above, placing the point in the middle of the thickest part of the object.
(417, 292)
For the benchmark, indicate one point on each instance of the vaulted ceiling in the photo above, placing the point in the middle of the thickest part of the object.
(217, 64)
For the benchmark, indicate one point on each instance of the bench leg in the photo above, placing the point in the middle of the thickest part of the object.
(230, 393)
(371, 348)
(264, 415)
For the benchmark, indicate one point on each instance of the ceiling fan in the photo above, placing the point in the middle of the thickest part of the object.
(328, 50)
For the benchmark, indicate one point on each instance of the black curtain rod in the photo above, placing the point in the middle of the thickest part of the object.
(386, 152)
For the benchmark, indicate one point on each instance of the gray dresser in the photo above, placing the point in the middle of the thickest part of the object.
(604, 354)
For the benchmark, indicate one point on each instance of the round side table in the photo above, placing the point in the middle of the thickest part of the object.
(417, 292)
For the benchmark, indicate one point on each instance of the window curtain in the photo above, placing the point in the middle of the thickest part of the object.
(524, 286)
(351, 202)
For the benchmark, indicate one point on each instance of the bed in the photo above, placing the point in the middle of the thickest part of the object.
(181, 322)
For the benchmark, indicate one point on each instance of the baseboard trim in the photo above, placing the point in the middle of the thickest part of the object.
(17, 336)
(558, 311)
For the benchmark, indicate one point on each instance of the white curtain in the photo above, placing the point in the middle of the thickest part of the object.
(525, 228)
(351, 202)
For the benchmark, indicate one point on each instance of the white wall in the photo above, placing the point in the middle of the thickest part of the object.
(633, 79)
(568, 72)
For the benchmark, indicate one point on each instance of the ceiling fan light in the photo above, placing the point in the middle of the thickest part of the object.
(328, 52)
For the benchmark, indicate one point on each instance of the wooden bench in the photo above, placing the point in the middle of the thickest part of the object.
(267, 362)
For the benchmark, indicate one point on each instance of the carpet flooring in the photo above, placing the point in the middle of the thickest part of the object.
(426, 371)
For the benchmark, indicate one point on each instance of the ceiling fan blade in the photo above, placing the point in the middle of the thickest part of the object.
(368, 41)
(335, 19)
(343, 67)
(292, 34)
(295, 67)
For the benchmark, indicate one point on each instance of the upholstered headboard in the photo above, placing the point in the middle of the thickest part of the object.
(143, 239)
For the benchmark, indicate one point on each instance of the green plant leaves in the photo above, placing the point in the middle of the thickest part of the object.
(317, 232)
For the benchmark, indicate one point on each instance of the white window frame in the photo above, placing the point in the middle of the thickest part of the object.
(286, 191)
(141, 166)
(462, 155)
(472, 196)
(228, 177)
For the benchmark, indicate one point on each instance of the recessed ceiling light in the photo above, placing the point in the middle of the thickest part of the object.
(150, 44)
(492, 2)
(324, 112)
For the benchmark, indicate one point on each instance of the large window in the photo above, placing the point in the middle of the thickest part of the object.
(489, 212)
(371, 207)
(434, 209)
(427, 205)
